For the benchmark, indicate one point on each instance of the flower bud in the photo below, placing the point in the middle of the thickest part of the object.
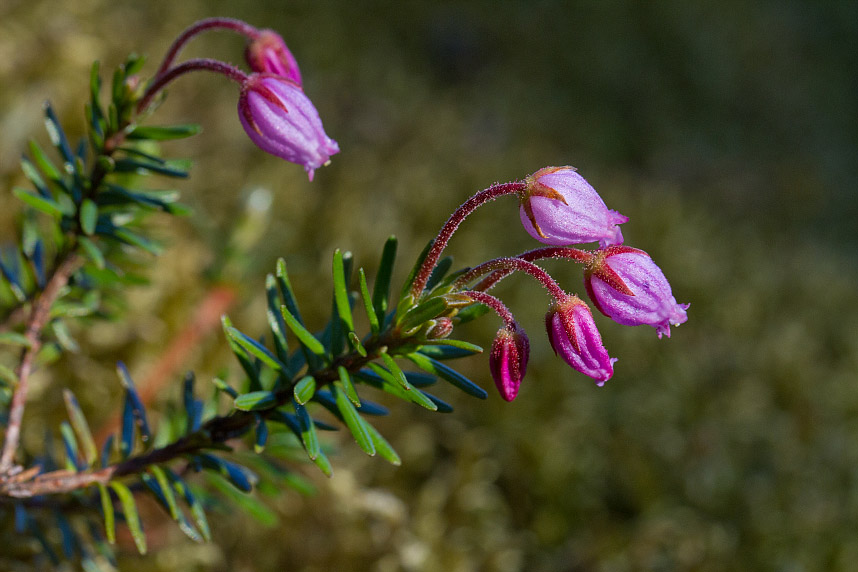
(559, 207)
(281, 120)
(574, 337)
(508, 360)
(627, 286)
(439, 328)
(267, 53)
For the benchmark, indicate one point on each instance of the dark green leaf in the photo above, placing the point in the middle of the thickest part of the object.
(257, 350)
(439, 272)
(164, 133)
(348, 386)
(406, 287)
(129, 165)
(242, 355)
(33, 175)
(341, 292)
(467, 348)
(307, 431)
(381, 288)
(367, 303)
(239, 476)
(196, 507)
(14, 339)
(255, 401)
(382, 446)
(92, 251)
(58, 137)
(304, 389)
(423, 312)
(38, 202)
(353, 420)
(304, 335)
(88, 216)
(442, 352)
(472, 313)
(455, 378)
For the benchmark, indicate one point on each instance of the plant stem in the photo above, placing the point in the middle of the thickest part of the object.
(566, 252)
(440, 241)
(495, 304)
(36, 322)
(512, 265)
(199, 64)
(201, 26)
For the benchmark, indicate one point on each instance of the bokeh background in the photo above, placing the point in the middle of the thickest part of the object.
(727, 131)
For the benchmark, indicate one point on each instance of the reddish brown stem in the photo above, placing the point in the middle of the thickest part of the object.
(37, 321)
(201, 26)
(450, 227)
(199, 64)
(566, 252)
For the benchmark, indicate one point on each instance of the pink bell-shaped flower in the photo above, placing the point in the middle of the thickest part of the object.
(508, 360)
(281, 120)
(559, 207)
(267, 53)
(627, 286)
(574, 337)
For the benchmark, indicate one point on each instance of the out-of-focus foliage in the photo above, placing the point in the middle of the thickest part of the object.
(727, 133)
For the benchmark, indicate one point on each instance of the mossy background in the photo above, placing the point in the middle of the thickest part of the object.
(726, 131)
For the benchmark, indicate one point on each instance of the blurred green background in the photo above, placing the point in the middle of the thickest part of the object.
(727, 132)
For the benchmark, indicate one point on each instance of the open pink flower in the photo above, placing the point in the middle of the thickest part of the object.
(559, 207)
(627, 286)
(574, 337)
(281, 120)
(508, 360)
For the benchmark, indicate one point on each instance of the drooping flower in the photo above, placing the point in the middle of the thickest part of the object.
(267, 53)
(508, 360)
(281, 120)
(627, 286)
(574, 337)
(559, 207)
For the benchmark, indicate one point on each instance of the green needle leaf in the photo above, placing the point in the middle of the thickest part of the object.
(305, 389)
(367, 303)
(109, 517)
(349, 387)
(166, 489)
(381, 288)
(353, 420)
(304, 335)
(308, 431)
(255, 400)
(129, 507)
(257, 350)
(39, 202)
(454, 377)
(88, 216)
(81, 428)
(341, 292)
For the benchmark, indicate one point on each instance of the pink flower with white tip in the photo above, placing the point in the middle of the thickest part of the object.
(281, 120)
(627, 286)
(559, 207)
(574, 337)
